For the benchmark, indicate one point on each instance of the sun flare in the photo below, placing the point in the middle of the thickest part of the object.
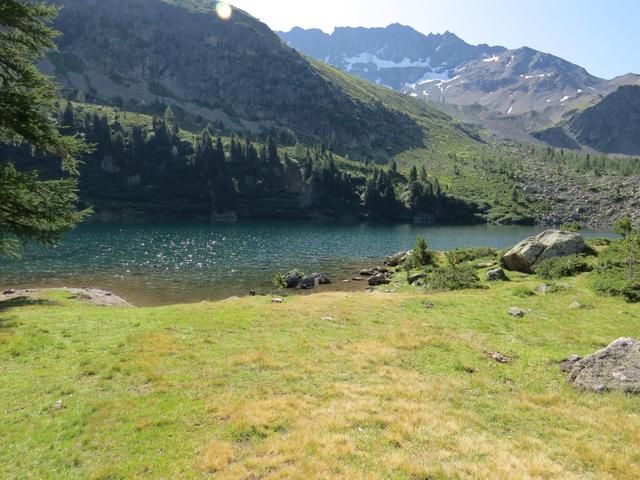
(224, 10)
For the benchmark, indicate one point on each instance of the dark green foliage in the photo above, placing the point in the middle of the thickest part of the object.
(421, 256)
(461, 255)
(30, 208)
(617, 272)
(453, 277)
(571, 226)
(624, 226)
(563, 267)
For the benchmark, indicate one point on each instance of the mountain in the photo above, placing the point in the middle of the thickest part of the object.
(238, 72)
(396, 56)
(611, 126)
(445, 69)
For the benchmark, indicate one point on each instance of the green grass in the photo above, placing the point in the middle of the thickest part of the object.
(333, 385)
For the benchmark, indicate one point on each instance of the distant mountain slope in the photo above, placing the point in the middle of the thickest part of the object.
(396, 56)
(445, 69)
(236, 71)
(610, 126)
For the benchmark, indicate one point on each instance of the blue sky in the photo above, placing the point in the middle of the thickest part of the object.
(602, 36)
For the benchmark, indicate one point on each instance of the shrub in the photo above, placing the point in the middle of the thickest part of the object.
(421, 256)
(453, 277)
(563, 267)
(461, 255)
(618, 270)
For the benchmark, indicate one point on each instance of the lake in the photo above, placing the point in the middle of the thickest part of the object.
(164, 263)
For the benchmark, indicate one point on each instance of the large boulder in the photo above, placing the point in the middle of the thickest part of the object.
(292, 279)
(616, 367)
(550, 244)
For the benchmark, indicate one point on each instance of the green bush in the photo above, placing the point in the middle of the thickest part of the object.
(453, 277)
(461, 255)
(421, 256)
(617, 272)
(563, 267)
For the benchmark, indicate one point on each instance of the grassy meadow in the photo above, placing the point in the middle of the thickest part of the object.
(332, 385)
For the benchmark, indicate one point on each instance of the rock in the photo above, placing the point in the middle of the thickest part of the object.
(397, 259)
(429, 305)
(321, 278)
(616, 367)
(370, 272)
(292, 279)
(327, 319)
(500, 357)
(277, 300)
(567, 364)
(497, 275)
(57, 405)
(486, 265)
(543, 288)
(378, 279)
(307, 283)
(516, 312)
(9, 291)
(550, 244)
(414, 278)
(358, 279)
(576, 306)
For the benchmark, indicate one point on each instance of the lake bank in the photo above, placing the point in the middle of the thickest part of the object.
(153, 264)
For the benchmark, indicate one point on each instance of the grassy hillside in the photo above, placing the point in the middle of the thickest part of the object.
(333, 385)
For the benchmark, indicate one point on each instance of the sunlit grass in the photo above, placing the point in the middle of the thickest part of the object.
(248, 389)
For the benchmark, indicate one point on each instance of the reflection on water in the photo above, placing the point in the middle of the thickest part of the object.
(156, 263)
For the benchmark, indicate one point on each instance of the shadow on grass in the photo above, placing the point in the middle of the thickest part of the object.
(18, 302)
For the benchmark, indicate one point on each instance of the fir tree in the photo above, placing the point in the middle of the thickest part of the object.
(31, 208)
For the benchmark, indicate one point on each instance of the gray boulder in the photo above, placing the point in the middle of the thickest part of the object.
(397, 259)
(378, 279)
(550, 244)
(307, 283)
(616, 367)
(293, 278)
(497, 275)
(321, 278)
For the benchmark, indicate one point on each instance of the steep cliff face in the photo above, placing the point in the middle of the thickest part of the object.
(234, 70)
(612, 125)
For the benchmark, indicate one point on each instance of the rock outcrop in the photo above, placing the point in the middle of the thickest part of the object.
(534, 250)
(616, 367)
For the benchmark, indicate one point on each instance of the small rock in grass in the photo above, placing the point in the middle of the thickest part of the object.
(327, 319)
(277, 300)
(57, 405)
(516, 312)
(567, 364)
(543, 288)
(9, 291)
(358, 279)
(576, 306)
(497, 275)
(429, 305)
(499, 357)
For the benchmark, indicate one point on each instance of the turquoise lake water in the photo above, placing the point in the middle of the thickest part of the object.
(163, 263)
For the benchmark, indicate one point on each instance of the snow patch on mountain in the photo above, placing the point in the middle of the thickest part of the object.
(371, 58)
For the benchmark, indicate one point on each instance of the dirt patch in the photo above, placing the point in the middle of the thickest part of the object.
(94, 296)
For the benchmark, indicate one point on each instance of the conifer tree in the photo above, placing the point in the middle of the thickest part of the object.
(31, 208)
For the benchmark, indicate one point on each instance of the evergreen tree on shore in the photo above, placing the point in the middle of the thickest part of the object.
(29, 207)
